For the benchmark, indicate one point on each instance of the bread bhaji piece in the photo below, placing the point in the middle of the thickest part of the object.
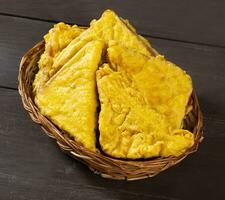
(143, 97)
(166, 86)
(129, 127)
(57, 39)
(69, 97)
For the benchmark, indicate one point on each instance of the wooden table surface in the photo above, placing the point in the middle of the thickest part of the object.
(190, 33)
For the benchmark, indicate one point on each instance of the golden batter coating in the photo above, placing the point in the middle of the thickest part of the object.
(55, 40)
(69, 97)
(108, 27)
(166, 86)
(143, 97)
(129, 126)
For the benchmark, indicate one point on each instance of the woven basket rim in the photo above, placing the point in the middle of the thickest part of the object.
(104, 165)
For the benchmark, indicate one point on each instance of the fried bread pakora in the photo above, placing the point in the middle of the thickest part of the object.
(166, 86)
(129, 127)
(69, 97)
(55, 40)
(143, 97)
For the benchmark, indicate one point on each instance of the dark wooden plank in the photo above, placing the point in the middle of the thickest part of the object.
(194, 20)
(17, 36)
(33, 167)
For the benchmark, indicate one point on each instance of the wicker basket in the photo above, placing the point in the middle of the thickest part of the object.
(101, 164)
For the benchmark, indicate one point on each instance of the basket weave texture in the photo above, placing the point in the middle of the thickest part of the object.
(101, 164)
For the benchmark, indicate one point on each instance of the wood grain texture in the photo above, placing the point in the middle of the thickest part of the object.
(17, 36)
(199, 21)
(32, 166)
